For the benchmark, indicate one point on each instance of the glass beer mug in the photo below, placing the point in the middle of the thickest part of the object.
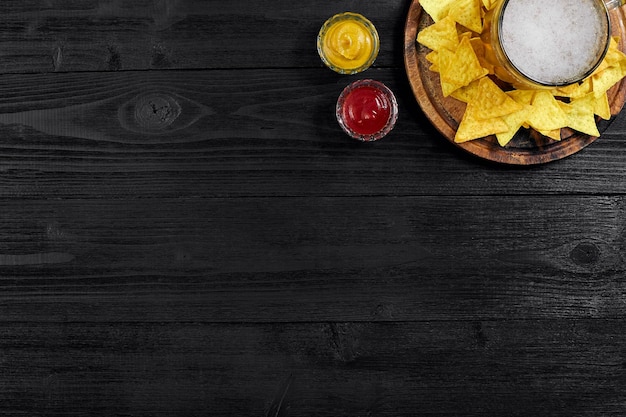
(545, 44)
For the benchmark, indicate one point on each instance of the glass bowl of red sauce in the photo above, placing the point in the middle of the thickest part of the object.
(367, 110)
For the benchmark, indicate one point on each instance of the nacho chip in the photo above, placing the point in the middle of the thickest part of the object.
(467, 93)
(581, 116)
(601, 107)
(448, 88)
(524, 97)
(565, 91)
(492, 101)
(489, 4)
(552, 134)
(514, 121)
(472, 128)
(606, 79)
(481, 54)
(437, 9)
(603, 65)
(433, 58)
(546, 113)
(583, 89)
(461, 67)
(441, 35)
(506, 137)
(467, 13)
(613, 55)
(446, 64)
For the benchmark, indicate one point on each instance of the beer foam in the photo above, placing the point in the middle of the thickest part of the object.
(556, 41)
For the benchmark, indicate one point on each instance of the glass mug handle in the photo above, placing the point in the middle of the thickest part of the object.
(613, 4)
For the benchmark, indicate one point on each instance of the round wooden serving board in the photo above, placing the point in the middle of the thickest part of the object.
(527, 147)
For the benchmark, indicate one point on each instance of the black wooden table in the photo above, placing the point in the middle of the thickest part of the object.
(186, 231)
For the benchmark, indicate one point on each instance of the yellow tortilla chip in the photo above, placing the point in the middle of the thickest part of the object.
(467, 93)
(489, 4)
(546, 113)
(583, 89)
(448, 88)
(612, 70)
(606, 79)
(440, 35)
(472, 128)
(581, 116)
(467, 35)
(565, 91)
(613, 55)
(467, 13)
(481, 54)
(601, 107)
(446, 64)
(462, 67)
(552, 134)
(514, 121)
(603, 65)
(437, 9)
(433, 58)
(524, 97)
(492, 101)
(505, 138)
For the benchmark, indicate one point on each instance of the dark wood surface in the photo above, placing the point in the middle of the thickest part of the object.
(186, 231)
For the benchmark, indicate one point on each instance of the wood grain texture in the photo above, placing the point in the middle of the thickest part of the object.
(251, 133)
(303, 259)
(185, 231)
(482, 368)
(113, 35)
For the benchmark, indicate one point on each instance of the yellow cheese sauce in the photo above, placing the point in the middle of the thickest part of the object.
(348, 43)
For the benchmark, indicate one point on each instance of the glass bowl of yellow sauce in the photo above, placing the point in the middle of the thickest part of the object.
(348, 43)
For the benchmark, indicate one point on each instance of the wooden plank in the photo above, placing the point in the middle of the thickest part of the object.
(548, 368)
(321, 259)
(113, 35)
(171, 134)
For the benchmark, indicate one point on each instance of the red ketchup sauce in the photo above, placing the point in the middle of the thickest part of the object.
(367, 110)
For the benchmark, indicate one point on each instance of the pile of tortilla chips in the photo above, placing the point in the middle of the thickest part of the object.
(467, 69)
